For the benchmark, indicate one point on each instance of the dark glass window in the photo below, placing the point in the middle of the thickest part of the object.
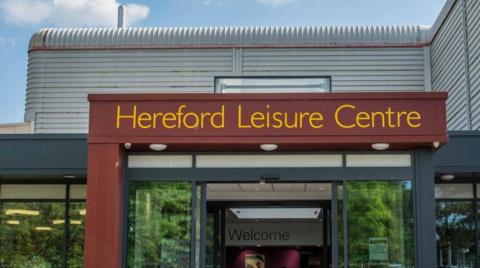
(455, 225)
(33, 231)
(455, 233)
(31, 234)
(76, 214)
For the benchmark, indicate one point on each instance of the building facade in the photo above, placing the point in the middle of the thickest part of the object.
(247, 147)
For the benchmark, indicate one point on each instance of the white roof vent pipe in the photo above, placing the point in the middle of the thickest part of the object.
(121, 16)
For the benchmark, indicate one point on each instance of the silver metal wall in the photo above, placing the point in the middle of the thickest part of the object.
(473, 34)
(455, 63)
(59, 80)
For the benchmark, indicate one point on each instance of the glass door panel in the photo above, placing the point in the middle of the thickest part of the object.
(160, 222)
(379, 224)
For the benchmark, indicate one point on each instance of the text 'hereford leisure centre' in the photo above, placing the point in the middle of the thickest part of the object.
(345, 116)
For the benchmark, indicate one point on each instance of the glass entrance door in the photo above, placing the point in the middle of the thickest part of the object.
(375, 224)
(268, 225)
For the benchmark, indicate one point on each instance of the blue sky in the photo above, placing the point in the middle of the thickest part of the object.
(20, 18)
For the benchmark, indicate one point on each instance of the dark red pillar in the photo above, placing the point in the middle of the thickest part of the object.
(103, 235)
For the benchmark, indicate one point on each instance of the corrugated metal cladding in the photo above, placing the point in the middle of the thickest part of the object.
(447, 65)
(473, 33)
(60, 79)
(455, 58)
(227, 36)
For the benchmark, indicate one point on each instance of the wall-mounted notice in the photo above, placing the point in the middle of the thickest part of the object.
(378, 249)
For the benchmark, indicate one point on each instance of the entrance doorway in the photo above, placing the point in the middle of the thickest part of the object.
(180, 209)
(268, 225)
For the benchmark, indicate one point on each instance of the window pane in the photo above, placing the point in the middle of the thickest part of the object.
(159, 224)
(453, 190)
(250, 161)
(379, 160)
(455, 234)
(77, 230)
(31, 234)
(32, 191)
(380, 224)
(271, 85)
(159, 161)
(78, 191)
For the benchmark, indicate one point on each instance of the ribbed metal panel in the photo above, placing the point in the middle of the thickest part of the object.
(448, 67)
(59, 81)
(228, 36)
(473, 34)
(359, 69)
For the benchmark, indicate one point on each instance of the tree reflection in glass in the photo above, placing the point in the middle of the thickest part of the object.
(159, 224)
(380, 224)
(31, 234)
(455, 234)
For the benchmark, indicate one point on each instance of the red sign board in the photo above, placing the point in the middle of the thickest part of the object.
(304, 119)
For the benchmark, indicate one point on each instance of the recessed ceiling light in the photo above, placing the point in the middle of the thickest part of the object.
(276, 213)
(380, 146)
(269, 147)
(157, 146)
(447, 177)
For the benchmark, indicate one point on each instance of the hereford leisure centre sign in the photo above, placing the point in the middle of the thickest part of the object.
(285, 118)
(345, 116)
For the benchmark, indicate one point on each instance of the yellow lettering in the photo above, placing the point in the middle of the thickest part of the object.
(221, 116)
(132, 116)
(240, 124)
(195, 117)
(257, 117)
(278, 123)
(378, 114)
(362, 116)
(414, 115)
(315, 118)
(337, 115)
(168, 117)
(145, 117)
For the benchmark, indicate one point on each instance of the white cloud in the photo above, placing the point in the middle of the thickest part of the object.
(276, 2)
(6, 42)
(70, 13)
(25, 11)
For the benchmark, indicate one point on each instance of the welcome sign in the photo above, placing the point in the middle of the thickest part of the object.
(274, 234)
(279, 118)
